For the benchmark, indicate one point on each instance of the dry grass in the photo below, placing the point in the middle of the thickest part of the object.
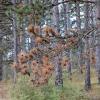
(78, 80)
(4, 91)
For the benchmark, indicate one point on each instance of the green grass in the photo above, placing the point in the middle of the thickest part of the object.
(78, 80)
(72, 89)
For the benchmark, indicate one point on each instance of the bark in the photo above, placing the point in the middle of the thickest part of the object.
(1, 66)
(87, 51)
(98, 40)
(80, 60)
(15, 42)
(69, 71)
(67, 25)
(98, 9)
(92, 39)
(24, 36)
(70, 63)
(55, 12)
(58, 69)
(78, 16)
(15, 47)
(80, 43)
(98, 58)
(65, 8)
(68, 16)
(87, 63)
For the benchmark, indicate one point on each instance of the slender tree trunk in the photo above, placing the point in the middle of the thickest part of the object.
(58, 69)
(55, 12)
(67, 25)
(98, 39)
(87, 51)
(92, 38)
(1, 58)
(1, 66)
(15, 42)
(70, 64)
(87, 62)
(80, 43)
(15, 47)
(65, 8)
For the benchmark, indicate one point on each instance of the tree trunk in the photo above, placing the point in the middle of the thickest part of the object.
(87, 63)
(55, 12)
(65, 8)
(15, 41)
(58, 72)
(87, 50)
(98, 40)
(67, 25)
(80, 43)
(1, 66)
(58, 69)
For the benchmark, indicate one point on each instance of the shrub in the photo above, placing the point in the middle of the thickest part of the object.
(24, 90)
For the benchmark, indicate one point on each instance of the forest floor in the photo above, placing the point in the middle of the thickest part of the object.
(77, 80)
(4, 91)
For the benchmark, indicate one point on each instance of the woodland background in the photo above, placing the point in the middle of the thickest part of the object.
(50, 49)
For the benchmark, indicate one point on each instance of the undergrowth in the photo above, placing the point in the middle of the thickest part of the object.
(24, 90)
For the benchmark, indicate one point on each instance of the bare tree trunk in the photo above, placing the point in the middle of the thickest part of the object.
(68, 26)
(58, 69)
(1, 58)
(70, 65)
(92, 38)
(98, 40)
(87, 62)
(80, 43)
(55, 12)
(15, 41)
(1, 66)
(87, 48)
(65, 8)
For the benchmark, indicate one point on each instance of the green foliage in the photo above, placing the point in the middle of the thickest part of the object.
(37, 10)
(24, 90)
(24, 10)
(38, 7)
